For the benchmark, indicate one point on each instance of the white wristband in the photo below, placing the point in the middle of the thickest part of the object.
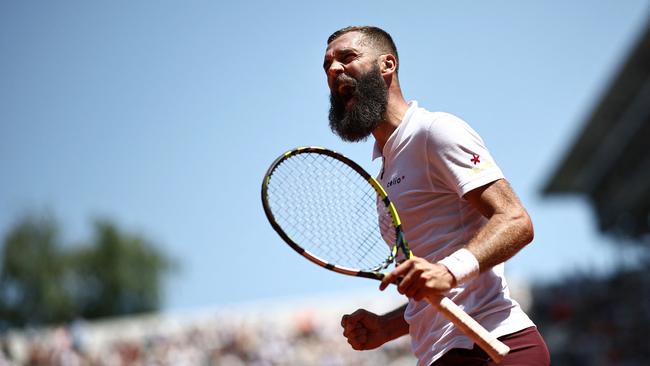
(462, 264)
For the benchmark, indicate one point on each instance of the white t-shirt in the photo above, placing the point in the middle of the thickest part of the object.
(429, 162)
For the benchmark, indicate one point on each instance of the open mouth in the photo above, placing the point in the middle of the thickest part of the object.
(345, 86)
(345, 90)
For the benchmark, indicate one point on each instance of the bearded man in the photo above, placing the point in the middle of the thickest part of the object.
(460, 215)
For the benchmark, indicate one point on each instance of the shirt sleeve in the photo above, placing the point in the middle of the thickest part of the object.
(458, 156)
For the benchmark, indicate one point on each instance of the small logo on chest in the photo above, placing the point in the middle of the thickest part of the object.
(394, 181)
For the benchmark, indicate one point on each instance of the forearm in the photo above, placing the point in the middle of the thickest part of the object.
(501, 238)
(394, 324)
(507, 230)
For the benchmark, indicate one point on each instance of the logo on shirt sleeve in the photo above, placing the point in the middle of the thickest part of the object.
(480, 166)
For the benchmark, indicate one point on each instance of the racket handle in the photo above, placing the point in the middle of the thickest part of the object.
(496, 349)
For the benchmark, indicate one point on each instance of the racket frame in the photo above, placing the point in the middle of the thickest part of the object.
(373, 273)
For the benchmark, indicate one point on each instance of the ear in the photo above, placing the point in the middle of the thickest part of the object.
(387, 64)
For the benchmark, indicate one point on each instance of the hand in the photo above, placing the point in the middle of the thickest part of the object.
(364, 330)
(419, 278)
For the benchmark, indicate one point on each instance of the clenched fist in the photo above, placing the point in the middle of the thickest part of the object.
(364, 330)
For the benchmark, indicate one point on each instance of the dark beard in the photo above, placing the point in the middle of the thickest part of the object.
(371, 97)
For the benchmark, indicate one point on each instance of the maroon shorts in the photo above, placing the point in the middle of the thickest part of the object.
(527, 348)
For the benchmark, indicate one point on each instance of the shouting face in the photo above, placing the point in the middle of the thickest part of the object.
(358, 93)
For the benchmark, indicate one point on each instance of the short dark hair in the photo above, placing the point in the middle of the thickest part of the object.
(376, 37)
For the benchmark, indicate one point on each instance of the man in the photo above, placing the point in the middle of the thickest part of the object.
(459, 214)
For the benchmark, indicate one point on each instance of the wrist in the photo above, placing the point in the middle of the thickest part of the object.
(462, 264)
(393, 324)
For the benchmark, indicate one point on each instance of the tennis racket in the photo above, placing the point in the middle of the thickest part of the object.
(332, 212)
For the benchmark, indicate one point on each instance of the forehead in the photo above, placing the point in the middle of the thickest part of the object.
(348, 41)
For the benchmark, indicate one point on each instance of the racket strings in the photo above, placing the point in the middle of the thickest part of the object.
(331, 211)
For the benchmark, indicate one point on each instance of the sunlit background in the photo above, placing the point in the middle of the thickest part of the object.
(153, 122)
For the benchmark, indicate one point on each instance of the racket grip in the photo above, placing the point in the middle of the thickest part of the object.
(496, 349)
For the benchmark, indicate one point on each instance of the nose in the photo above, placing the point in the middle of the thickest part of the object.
(334, 70)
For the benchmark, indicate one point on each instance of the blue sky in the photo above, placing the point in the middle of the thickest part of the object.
(164, 116)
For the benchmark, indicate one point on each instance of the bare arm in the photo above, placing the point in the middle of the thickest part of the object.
(508, 229)
(365, 330)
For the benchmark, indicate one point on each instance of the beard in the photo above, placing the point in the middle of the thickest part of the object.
(367, 110)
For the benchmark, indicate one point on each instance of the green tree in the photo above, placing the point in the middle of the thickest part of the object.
(118, 273)
(31, 275)
(43, 281)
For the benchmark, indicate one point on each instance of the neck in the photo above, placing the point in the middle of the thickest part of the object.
(395, 111)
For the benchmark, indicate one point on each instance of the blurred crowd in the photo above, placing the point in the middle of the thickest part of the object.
(585, 319)
(597, 320)
(234, 339)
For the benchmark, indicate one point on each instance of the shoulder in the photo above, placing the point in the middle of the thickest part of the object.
(443, 127)
(438, 120)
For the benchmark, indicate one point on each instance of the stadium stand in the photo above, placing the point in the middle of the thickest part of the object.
(591, 319)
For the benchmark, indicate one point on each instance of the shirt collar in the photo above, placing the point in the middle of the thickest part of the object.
(376, 151)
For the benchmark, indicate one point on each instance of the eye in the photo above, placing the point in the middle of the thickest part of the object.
(349, 58)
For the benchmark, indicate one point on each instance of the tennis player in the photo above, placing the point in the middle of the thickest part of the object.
(460, 215)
